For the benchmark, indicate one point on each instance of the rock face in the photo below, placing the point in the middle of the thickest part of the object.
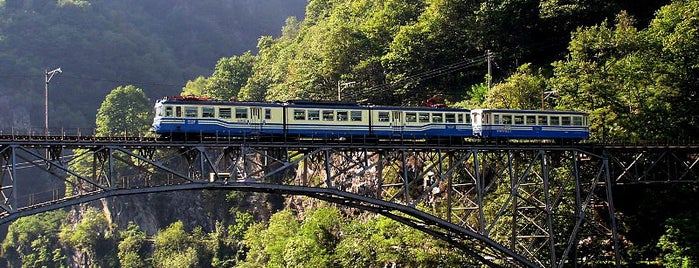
(152, 212)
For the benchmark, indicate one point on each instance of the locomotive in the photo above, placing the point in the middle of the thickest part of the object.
(186, 116)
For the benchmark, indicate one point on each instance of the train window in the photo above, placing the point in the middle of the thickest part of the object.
(468, 119)
(342, 116)
(299, 114)
(437, 118)
(423, 117)
(543, 120)
(356, 116)
(191, 111)
(178, 111)
(314, 115)
(530, 120)
(328, 116)
(496, 119)
(565, 120)
(519, 119)
(268, 113)
(506, 119)
(411, 117)
(241, 113)
(168, 111)
(224, 113)
(207, 112)
(577, 121)
(449, 118)
(383, 117)
(555, 121)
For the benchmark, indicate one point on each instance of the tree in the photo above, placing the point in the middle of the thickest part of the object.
(92, 236)
(126, 111)
(316, 239)
(28, 241)
(267, 243)
(195, 87)
(674, 36)
(522, 90)
(680, 242)
(132, 247)
(231, 74)
(620, 79)
(174, 247)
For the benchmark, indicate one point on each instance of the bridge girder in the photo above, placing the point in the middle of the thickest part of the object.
(504, 205)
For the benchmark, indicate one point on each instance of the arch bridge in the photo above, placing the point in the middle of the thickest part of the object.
(503, 204)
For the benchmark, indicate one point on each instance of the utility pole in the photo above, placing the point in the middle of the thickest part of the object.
(341, 86)
(48, 75)
(489, 59)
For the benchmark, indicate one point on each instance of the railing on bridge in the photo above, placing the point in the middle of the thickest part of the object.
(511, 204)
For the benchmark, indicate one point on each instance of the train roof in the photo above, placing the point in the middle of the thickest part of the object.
(194, 100)
(529, 111)
(203, 100)
(418, 108)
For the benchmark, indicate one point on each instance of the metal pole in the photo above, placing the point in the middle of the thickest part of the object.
(47, 78)
(341, 86)
(46, 103)
(489, 58)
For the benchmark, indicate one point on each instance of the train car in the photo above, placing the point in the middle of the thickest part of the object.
(195, 116)
(188, 116)
(325, 119)
(420, 122)
(530, 124)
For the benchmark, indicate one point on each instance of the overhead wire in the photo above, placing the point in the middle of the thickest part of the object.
(443, 70)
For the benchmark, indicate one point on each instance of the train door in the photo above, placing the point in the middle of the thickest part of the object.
(397, 122)
(256, 121)
(477, 122)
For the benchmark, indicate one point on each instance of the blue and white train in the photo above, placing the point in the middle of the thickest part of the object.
(186, 116)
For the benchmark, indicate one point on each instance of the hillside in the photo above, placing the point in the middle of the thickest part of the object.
(155, 44)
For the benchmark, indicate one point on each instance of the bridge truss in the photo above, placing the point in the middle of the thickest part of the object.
(514, 205)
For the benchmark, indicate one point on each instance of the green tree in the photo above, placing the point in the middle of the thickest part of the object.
(93, 236)
(674, 36)
(618, 78)
(680, 242)
(30, 241)
(125, 111)
(174, 247)
(195, 87)
(522, 90)
(231, 74)
(132, 247)
(316, 239)
(383, 242)
(267, 243)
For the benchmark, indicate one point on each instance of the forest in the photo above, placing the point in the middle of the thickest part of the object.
(632, 65)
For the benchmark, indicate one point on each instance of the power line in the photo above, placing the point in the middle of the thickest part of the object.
(463, 64)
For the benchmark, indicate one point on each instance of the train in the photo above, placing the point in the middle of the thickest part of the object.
(190, 116)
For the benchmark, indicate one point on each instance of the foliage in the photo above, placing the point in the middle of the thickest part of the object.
(230, 75)
(621, 77)
(680, 242)
(325, 238)
(174, 247)
(132, 247)
(126, 111)
(522, 90)
(93, 236)
(31, 240)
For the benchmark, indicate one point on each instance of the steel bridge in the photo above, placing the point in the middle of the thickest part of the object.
(517, 204)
